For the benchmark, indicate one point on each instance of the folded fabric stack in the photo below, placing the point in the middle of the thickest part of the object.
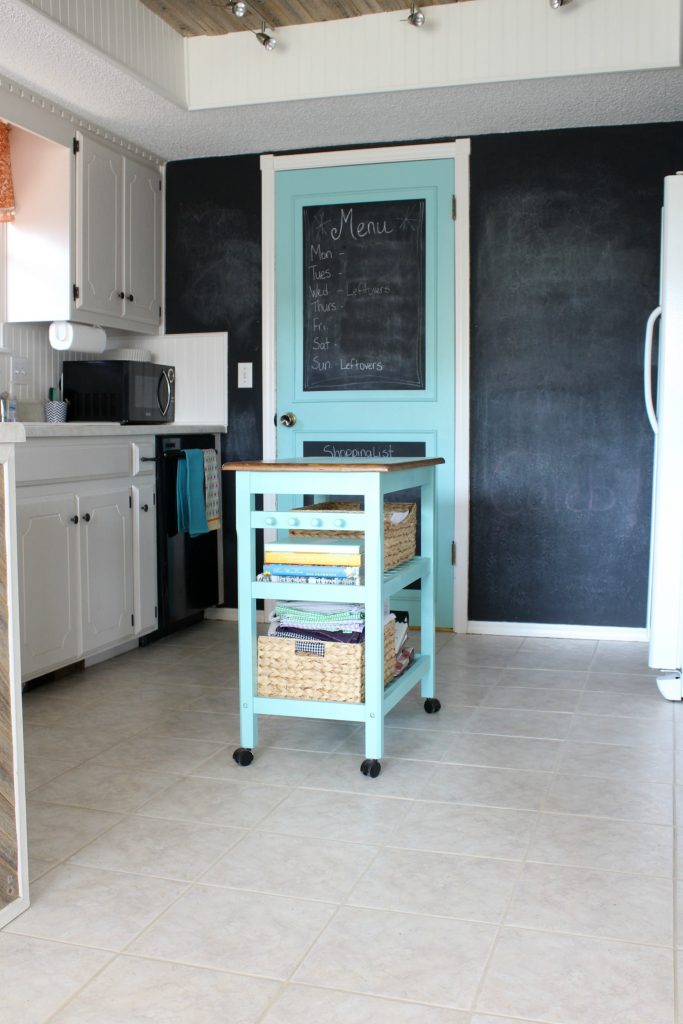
(314, 623)
(313, 563)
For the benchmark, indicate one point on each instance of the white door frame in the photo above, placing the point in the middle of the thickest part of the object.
(459, 152)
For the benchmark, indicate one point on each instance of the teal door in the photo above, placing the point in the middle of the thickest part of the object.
(364, 282)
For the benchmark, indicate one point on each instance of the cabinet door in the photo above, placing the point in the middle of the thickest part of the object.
(142, 242)
(49, 583)
(145, 557)
(106, 567)
(99, 232)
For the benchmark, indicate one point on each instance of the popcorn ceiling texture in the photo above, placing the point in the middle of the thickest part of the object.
(40, 55)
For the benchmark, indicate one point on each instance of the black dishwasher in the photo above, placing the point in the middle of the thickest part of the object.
(187, 567)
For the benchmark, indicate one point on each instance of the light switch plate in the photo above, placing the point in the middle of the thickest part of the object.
(20, 370)
(245, 375)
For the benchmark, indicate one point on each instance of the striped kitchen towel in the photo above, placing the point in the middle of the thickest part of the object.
(211, 489)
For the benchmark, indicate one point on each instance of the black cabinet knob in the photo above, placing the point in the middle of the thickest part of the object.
(122, 295)
(86, 517)
(74, 519)
(130, 298)
(145, 508)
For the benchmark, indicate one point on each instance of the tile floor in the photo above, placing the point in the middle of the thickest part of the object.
(514, 863)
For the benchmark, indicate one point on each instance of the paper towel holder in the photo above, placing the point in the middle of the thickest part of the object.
(66, 336)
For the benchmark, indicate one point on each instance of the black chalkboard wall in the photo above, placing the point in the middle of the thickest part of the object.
(565, 257)
(364, 299)
(213, 283)
(565, 265)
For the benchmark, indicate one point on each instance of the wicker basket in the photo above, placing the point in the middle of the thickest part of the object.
(399, 541)
(339, 675)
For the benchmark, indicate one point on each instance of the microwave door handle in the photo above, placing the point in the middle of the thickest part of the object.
(164, 377)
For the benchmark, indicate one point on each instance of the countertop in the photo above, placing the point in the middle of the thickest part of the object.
(15, 433)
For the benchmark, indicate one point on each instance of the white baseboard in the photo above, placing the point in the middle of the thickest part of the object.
(622, 634)
(229, 615)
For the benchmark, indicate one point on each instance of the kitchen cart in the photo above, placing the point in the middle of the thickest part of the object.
(290, 480)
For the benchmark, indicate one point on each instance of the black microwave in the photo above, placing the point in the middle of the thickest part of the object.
(119, 391)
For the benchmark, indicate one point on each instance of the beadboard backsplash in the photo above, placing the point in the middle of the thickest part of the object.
(201, 362)
(44, 363)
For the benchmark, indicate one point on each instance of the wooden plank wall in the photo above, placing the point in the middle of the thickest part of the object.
(9, 888)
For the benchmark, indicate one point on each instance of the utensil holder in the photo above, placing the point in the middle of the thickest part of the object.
(55, 412)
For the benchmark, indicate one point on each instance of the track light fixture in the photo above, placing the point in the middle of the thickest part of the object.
(238, 8)
(416, 16)
(556, 4)
(267, 41)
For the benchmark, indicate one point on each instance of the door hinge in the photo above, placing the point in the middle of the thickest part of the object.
(130, 501)
(160, 184)
(453, 553)
(76, 146)
(132, 620)
(77, 292)
(160, 312)
(454, 208)
(156, 612)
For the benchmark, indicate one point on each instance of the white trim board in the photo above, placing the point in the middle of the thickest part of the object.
(459, 152)
(621, 634)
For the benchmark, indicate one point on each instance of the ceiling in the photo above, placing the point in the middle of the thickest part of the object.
(214, 17)
(38, 54)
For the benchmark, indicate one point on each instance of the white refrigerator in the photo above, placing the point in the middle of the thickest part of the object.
(666, 418)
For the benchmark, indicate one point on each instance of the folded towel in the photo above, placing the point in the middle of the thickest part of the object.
(320, 612)
(190, 493)
(211, 489)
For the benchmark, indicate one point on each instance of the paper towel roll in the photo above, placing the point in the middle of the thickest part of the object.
(67, 337)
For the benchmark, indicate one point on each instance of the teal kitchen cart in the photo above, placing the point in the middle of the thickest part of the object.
(291, 481)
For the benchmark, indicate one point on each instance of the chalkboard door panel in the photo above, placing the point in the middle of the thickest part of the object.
(365, 320)
(363, 296)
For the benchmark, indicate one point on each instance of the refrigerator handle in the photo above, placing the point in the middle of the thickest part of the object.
(647, 366)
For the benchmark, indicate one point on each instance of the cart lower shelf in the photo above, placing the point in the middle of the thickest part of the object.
(337, 712)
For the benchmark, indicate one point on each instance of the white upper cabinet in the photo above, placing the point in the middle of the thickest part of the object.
(99, 229)
(142, 237)
(118, 236)
(86, 241)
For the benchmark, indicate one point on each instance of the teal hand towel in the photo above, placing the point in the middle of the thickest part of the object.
(190, 493)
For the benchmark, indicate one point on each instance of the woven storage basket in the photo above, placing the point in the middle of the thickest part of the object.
(399, 541)
(338, 675)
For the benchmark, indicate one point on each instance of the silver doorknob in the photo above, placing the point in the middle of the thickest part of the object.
(288, 419)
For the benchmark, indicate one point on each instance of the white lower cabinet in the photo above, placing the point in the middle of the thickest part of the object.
(86, 551)
(106, 528)
(49, 582)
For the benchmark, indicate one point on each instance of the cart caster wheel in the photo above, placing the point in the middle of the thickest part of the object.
(432, 705)
(242, 756)
(371, 767)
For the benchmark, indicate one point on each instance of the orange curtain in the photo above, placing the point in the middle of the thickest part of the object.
(6, 187)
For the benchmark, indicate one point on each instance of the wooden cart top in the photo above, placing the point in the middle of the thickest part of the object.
(331, 465)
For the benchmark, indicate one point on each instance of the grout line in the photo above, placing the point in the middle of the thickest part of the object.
(85, 984)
